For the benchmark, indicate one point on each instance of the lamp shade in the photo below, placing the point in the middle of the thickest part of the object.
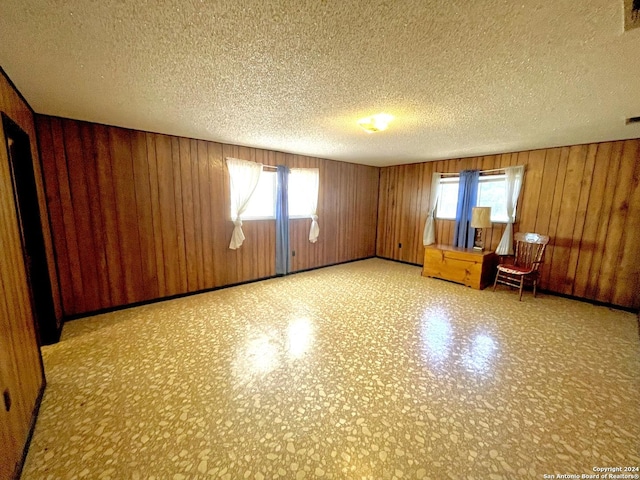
(481, 217)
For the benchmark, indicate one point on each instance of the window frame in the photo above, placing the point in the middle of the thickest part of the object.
(299, 217)
(447, 179)
(275, 193)
(493, 177)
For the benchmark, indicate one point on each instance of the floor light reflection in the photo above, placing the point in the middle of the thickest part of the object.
(436, 336)
(299, 337)
(259, 356)
(479, 358)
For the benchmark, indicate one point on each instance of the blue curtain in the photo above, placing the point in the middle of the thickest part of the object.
(282, 221)
(467, 197)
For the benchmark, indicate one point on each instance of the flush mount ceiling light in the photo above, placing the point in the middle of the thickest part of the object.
(375, 123)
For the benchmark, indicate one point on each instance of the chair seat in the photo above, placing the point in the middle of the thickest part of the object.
(514, 269)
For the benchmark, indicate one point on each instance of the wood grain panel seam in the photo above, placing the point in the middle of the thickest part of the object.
(584, 220)
(71, 213)
(623, 222)
(54, 253)
(135, 198)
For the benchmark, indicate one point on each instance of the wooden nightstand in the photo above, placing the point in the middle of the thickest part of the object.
(473, 268)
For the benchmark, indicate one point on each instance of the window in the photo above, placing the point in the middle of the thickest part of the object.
(303, 192)
(298, 206)
(491, 193)
(448, 202)
(262, 205)
(303, 195)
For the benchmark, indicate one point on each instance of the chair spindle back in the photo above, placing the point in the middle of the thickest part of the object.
(529, 250)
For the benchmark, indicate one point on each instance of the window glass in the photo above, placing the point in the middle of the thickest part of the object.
(492, 193)
(448, 202)
(262, 204)
(303, 192)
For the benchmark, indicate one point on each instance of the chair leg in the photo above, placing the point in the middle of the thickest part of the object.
(521, 284)
(495, 282)
(535, 283)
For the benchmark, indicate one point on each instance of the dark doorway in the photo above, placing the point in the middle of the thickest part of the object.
(35, 258)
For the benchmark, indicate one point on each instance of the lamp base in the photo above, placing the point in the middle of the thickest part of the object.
(478, 244)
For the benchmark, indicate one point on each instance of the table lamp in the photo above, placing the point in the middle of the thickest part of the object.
(480, 219)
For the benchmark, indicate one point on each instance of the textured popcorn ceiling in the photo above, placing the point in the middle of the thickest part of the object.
(462, 78)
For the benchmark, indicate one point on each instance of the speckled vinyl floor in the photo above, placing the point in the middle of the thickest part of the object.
(360, 371)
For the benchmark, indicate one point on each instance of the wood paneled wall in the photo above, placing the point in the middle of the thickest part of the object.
(347, 210)
(21, 373)
(586, 197)
(138, 216)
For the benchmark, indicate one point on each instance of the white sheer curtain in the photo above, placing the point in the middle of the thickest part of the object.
(303, 191)
(513, 178)
(429, 235)
(244, 178)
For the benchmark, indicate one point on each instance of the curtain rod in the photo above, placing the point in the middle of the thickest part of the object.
(273, 167)
(481, 171)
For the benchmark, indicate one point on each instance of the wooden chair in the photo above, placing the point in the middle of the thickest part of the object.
(525, 266)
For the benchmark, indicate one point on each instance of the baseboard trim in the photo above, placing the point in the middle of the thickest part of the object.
(32, 428)
(160, 299)
(587, 300)
(213, 289)
(197, 292)
(399, 261)
(332, 265)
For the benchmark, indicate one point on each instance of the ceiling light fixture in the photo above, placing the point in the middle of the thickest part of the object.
(375, 123)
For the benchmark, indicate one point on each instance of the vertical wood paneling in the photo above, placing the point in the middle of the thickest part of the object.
(81, 216)
(595, 205)
(182, 227)
(142, 185)
(97, 225)
(182, 285)
(586, 197)
(162, 203)
(156, 221)
(219, 226)
(205, 205)
(611, 174)
(568, 198)
(68, 215)
(107, 203)
(626, 289)
(383, 210)
(127, 213)
(197, 215)
(580, 216)
(527, 209)
(166, 198)
(21, 372)
(188, 216)
(347, 211)
(54, 204)
(616, 232)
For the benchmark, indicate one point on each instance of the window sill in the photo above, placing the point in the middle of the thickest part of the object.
(498, 222)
